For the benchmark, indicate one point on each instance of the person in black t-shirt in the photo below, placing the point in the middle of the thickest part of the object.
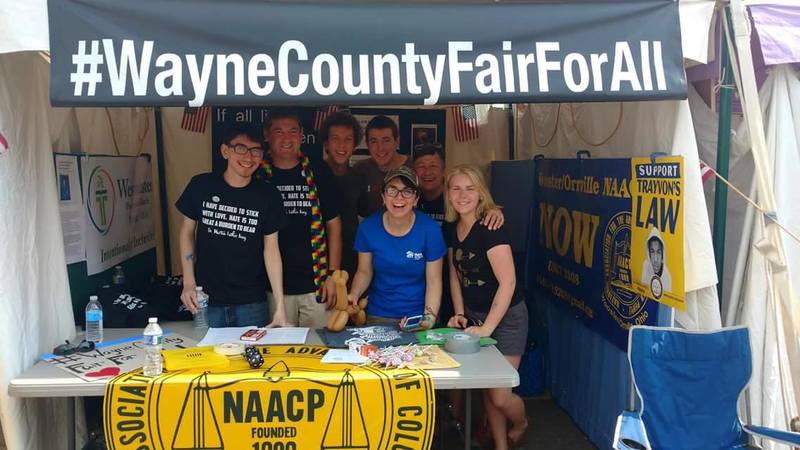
(229, 237)
(339, 134)
(483, 289)
(430, 167)
(311, 244)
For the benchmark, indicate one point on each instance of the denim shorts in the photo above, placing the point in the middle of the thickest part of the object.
(250, 314)
(512, 332)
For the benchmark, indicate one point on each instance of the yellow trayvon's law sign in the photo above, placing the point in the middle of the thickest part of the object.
(292, 402)
(657, 229)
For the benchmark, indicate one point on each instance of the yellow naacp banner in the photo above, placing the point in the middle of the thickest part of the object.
(657, 229)
(292, 402)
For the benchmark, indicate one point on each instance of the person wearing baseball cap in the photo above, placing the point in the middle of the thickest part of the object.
(400, 254)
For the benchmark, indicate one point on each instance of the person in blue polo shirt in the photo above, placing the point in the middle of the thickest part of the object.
(400, 251)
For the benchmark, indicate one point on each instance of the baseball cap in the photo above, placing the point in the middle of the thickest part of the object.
(403, 172)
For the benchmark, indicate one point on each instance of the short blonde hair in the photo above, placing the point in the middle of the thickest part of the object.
(485, 201)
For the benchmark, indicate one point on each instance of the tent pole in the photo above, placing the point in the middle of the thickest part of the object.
(723, 161)
(162, 192)
(512, 133)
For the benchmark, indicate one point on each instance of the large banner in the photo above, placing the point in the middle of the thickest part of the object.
(118, 203)
(241, 52)
(292, 402)
(590, 214)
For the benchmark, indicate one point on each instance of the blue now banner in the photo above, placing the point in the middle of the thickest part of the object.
(582, 244)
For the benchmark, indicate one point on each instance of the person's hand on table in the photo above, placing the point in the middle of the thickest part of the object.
(493, 219)
(481, 331)
(457, 321)
(328, 293)
(189, 298)
(279, 319)
(428, 321)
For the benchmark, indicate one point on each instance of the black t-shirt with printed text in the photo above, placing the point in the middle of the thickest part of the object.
(433, 208)
(295, 238)
(475, 274)
(229, 245)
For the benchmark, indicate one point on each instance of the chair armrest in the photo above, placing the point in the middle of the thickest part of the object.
(629, 433)
(786, 437)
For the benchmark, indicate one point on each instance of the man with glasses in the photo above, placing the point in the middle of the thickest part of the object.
(229, 237)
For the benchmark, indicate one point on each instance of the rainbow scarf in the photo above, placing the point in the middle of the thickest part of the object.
(319, 243)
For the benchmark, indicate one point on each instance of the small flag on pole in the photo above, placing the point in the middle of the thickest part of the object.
(705, 172)
(3, 144)
(194, 119)
(465, 119)
(322, 114)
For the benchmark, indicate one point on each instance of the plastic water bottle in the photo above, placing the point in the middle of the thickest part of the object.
(152, 337)
(201, 317)
(94, 320)
(119, 276)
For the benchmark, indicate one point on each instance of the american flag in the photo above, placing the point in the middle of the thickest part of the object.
(3, 144)
(705, 172)
(194, 119)
(465, 119)
(322, 114)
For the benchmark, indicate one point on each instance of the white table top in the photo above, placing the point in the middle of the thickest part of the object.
(486, 369)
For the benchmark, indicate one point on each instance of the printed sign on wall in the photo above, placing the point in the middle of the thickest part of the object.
(657, 229)
(118, 200)
(587, 225)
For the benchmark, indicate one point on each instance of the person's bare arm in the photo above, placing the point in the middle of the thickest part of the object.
(459, 320)
(274, 266)
(433, 292)
(363, 277)
(502, 262)
(186, 241)
(333, 230)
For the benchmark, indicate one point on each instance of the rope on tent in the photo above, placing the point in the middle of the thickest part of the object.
(533, 126)
(113, 134)
(593, 144)
(769, 215)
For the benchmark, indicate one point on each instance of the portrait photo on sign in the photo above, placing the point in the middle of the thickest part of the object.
(654, 268)
(423, 133)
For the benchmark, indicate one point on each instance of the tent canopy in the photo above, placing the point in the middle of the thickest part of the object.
(156, 52)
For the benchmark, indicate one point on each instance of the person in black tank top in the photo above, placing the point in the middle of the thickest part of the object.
(483, 288)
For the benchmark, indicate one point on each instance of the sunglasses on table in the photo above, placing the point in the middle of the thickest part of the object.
(69, 349)
(392, 191)
(255, 152)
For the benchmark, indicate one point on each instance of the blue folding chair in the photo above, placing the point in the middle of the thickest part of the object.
(689, 384)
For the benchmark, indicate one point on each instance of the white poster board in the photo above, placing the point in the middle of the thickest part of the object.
(118, 205)
(70, 205)
(110, 359)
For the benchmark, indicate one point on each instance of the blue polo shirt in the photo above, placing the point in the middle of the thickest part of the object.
(398, 264)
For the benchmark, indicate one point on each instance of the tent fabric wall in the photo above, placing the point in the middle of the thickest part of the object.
(749, 296)
(35, 307)
(589, 377)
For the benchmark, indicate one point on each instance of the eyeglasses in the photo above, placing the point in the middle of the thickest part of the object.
(392, 191)
(240, 149)
(68, 349)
